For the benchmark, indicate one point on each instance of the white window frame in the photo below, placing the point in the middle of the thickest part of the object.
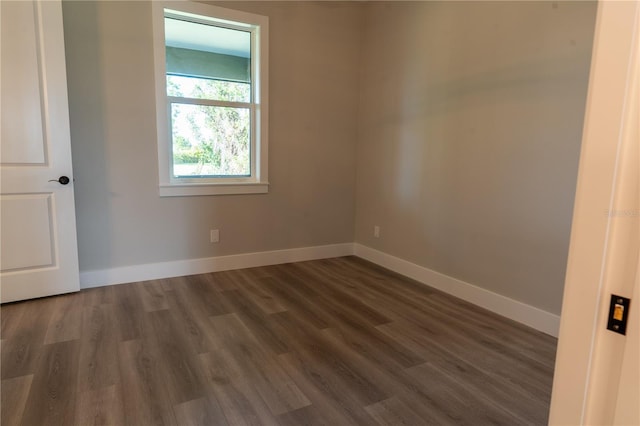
(258, 25)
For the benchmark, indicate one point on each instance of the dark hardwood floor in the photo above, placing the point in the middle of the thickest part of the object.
(329, 342)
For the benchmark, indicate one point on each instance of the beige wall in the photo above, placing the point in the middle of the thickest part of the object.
(121, 219)
(470, 124)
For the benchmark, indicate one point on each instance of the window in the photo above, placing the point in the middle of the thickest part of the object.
(211, 99)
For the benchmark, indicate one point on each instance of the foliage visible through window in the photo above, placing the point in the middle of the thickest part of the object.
(210, 140)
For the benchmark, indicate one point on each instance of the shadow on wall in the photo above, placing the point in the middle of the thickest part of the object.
(474, 151)
(88, 135)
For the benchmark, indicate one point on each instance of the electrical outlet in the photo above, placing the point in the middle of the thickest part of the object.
(214, 236)
(376, 231)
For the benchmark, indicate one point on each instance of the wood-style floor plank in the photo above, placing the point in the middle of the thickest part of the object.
(337, 404)
(98, 366)
(103, 406)
(325, 366)
(328, 342)
(129, 312)
(259, 294)
(394, 411)
(144, 391)
(496, 388)
(152, 295)
(339, 303)
(192, 318)
(221, 281)
(23, 347)
(377, 346)
(202, 294)
(198, 412)
(297, 302)
(53, 392)
(178, 364)
(525, 377)
(237, 397)
(255, 365)
(66, 321)
(457, 401)
(256, 320)
(312, 415)
(14, 398)
(98, 296)
(11, 319)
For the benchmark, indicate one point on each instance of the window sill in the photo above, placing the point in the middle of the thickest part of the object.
(190, 190)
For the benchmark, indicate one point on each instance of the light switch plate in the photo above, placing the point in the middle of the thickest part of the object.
(618, 314)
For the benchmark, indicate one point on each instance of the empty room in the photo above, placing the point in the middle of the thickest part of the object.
(319, 213)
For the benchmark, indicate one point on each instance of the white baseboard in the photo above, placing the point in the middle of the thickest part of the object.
(153, 271)
(517, 311)
(526, 314)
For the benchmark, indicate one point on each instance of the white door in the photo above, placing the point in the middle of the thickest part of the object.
(38, 249)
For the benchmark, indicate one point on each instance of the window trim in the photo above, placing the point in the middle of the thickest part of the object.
(258, 182)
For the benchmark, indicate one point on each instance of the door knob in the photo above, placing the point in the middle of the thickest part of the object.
(62, 180)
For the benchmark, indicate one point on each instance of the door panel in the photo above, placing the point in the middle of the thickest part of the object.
(26, 229)
(38, 248)
(21, 88)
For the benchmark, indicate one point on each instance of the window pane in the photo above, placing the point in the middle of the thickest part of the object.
(210, 141)
(203, 88)
(207, 61)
